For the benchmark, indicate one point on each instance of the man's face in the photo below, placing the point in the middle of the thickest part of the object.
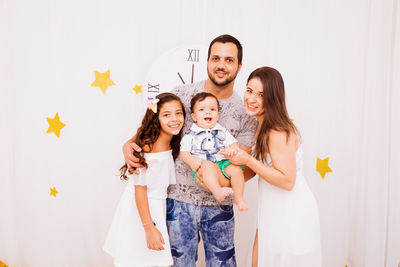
(223, 65)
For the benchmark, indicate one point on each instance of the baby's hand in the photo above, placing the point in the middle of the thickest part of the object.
(237, 157)
(229, 152)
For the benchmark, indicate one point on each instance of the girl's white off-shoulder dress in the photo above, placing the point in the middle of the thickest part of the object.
(126, 239)
(288, 223)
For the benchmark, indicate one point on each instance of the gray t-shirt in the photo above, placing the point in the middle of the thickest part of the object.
(234, 118)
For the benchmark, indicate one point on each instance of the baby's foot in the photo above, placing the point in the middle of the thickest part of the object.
(222, 193)
(241, 204)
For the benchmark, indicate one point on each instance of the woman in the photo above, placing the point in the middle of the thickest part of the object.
(288, 225)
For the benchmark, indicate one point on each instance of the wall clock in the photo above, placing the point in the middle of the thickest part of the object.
(184, 64)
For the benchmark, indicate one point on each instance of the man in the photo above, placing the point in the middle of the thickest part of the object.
(190, 208)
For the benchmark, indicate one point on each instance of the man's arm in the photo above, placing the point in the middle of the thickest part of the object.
(127, 149)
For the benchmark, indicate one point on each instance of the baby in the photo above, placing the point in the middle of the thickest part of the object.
(201, 145)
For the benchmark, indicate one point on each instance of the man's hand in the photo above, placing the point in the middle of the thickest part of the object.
(196, 165)
(130, 159)
(221, 178)
(199, 178)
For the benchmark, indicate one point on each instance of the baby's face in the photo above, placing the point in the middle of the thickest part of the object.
(206, 113)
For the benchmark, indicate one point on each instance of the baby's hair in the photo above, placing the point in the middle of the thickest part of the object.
(200, 97)
(150, 129)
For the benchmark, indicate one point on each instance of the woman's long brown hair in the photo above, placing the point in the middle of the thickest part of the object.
(276, 116)
(150, 129)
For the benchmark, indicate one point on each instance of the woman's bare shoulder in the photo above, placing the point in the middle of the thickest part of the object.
(280, 138)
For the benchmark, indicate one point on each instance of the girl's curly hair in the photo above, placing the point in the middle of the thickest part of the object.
(149, 131)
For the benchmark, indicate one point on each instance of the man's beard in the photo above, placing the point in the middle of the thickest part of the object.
(223, 83)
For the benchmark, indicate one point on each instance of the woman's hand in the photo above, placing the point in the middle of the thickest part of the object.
(154, 238)
(130, 159)
(236, 155)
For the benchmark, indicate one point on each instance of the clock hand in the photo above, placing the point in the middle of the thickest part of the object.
(181, 78)
(192, 72)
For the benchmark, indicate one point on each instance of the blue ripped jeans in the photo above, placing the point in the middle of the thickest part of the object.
(215, 223)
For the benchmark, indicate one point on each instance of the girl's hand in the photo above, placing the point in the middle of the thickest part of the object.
(236, 155)
(154, 238)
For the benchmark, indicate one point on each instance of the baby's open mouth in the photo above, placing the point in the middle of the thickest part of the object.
(208, 119)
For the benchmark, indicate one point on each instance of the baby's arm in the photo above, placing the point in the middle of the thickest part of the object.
(190, 160)
(187, 157)
(231, 144)
(234, 145)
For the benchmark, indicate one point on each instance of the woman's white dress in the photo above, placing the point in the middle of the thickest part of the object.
(126, 240)
(288, 223)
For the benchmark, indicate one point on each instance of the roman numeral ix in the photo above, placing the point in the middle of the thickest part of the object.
(153, 88)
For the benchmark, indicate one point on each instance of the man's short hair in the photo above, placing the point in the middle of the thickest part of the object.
(226, 38)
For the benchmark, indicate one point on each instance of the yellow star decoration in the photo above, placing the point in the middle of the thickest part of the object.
(292, 120)
(322, 166)
(53, 192)
(102, 80)
(55, 125)
(137, 89)
(2, 264)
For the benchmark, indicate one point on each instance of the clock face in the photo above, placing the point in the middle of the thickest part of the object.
(182, 65)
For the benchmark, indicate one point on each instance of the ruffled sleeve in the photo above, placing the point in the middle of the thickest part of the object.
(139, 179)
(160, 171)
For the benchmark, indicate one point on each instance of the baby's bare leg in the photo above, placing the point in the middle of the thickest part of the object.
(237, 182)
(210, 179)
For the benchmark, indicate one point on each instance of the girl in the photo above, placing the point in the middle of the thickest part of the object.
(138, 234)
(288, 223)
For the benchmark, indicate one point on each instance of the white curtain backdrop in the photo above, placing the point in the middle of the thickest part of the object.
(341, 64)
